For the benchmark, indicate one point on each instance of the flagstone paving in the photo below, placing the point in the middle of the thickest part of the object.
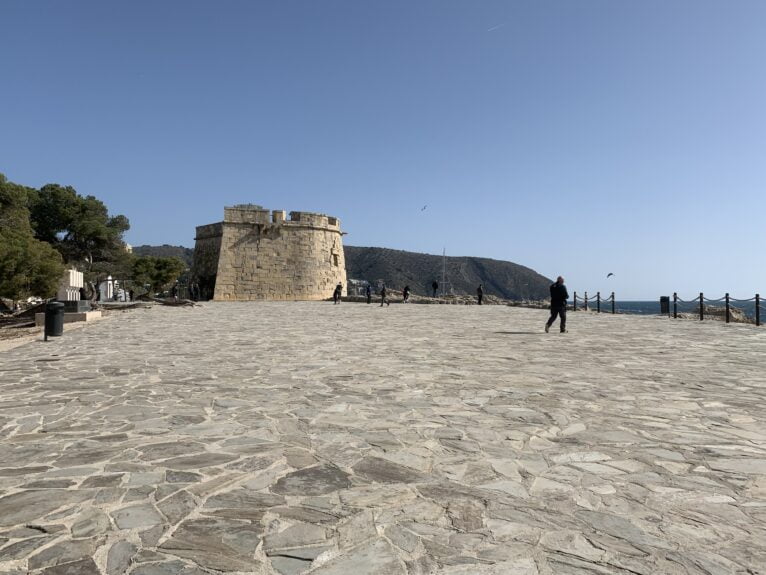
(291, 438)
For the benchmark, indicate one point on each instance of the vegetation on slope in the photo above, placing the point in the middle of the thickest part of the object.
(186, 255)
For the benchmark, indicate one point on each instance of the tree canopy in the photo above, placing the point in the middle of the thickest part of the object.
(42, 229)
(80, 228)
(156, 272)
(27, 266)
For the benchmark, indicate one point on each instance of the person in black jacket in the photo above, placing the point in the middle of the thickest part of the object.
(480, 293)
(559, 297)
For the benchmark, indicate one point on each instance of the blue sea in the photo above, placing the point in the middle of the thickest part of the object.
(653, 307)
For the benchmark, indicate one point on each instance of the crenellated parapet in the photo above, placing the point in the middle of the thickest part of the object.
(253, 214)
(255, 254)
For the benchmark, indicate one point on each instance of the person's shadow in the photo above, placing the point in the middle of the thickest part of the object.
(520, 333)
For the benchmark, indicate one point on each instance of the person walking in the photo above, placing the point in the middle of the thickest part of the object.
(383, 299)
(368, 291)
(480, 293)
(559, 297)
(435, 287)
(337, 293)
(406, 294)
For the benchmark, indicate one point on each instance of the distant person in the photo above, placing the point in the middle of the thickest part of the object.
(435, 287)
(368, 291)
(336, 294)
(559, 297)
(174, 292)
(383, 294)
(406, 294)
(131, 295)
(480, 293)
(83, 294)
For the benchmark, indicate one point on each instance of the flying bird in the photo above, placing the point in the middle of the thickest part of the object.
(610, 274)
(496, 27)
(423, 208)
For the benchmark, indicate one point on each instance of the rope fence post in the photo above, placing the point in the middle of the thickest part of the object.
(586, 301)
(613, 303)
(728, 310)
(702, 307)
(598, 302)
(574, 302)
(757, 309)
(675, 305)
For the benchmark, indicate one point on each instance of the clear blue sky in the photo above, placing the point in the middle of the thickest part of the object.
(577, 138)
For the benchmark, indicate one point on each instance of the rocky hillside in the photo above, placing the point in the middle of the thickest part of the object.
(399, 268)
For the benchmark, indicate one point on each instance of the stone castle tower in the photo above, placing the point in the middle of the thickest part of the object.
(254, 254)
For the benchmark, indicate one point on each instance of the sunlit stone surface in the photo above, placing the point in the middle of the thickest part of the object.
(304, 437)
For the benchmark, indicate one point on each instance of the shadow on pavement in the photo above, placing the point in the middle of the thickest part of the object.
(521, 332)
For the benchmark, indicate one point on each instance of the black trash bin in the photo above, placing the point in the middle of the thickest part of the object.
(54, 319)
(665, 304)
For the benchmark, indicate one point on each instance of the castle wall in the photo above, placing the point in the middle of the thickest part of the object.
(263, 256)
(207, 249)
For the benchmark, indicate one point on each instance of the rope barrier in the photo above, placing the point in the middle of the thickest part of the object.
(692, 306)
(593, 297)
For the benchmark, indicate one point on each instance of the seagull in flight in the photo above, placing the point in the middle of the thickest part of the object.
(496, 27)
(610, 274)
(423, 208)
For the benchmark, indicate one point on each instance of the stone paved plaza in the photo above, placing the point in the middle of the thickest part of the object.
(288, 438)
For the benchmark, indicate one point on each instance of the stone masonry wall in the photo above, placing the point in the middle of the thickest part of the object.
(207, 247)
(263, 256)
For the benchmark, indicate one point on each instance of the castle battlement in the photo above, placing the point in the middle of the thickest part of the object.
(256, 253)
(254, 214)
